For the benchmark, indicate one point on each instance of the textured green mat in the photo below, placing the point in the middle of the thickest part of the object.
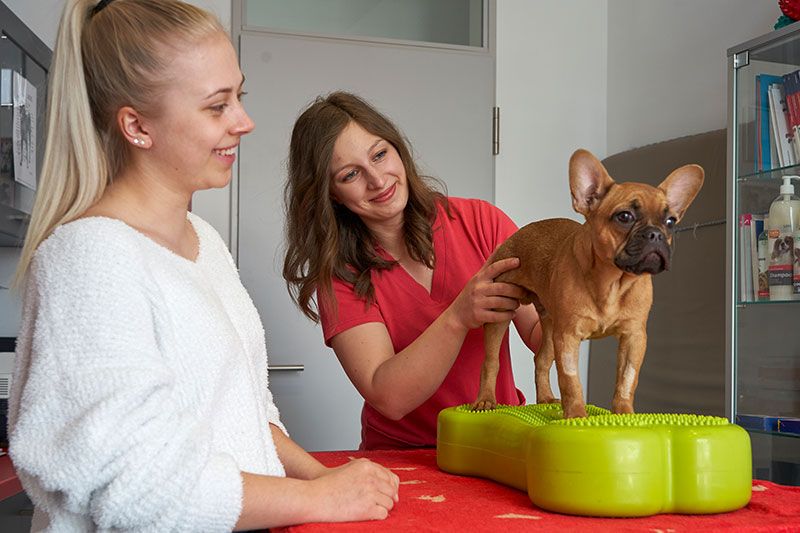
(605, 464)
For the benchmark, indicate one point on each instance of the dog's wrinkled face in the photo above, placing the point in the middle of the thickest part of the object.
(632, 222)
(637, 223)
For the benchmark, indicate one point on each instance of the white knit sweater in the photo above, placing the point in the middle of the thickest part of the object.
(140, 384)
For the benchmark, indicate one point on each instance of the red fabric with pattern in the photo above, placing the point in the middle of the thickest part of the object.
(790, 8)
(432, 500)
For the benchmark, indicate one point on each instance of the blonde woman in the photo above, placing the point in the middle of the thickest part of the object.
(140, 398)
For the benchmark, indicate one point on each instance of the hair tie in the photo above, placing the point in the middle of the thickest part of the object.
(99, 7)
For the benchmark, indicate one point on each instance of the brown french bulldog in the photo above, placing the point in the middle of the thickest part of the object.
(592, 280)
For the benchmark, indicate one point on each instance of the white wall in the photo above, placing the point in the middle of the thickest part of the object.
(667, 65)
(42, 16)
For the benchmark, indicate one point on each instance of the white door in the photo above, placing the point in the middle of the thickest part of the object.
(440, 98)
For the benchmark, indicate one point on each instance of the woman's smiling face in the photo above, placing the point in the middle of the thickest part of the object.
(195, 137)
(367, 176)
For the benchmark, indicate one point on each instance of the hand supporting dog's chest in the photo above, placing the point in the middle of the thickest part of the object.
(592, 280)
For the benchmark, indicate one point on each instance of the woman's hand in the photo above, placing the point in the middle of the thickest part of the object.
(484, 300)
(358, 490)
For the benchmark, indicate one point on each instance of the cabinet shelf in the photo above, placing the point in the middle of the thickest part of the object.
(745, 303)
(770, 425)
(772, 174)
(776, 434)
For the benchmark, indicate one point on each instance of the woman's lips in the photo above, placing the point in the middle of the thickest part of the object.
(226, 154)
(386, 196)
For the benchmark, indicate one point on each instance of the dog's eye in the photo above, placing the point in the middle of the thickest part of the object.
(626, 217)
(670, 223)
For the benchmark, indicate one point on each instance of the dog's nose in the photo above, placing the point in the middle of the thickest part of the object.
(652, 234)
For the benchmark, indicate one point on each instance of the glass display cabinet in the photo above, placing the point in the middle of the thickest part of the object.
(24, 64)
(763, 307)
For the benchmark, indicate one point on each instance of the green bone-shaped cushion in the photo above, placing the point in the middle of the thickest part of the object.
(605, 464)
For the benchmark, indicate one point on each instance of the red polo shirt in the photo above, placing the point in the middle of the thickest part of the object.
(462, 243)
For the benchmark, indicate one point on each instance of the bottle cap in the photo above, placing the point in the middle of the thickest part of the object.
(788, 187)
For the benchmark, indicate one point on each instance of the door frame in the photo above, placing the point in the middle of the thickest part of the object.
(238, 13)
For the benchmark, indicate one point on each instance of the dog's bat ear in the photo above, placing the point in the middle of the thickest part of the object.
(681, 186)
(588, 181)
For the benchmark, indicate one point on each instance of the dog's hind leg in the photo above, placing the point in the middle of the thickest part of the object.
(543, 361)
(493, 333)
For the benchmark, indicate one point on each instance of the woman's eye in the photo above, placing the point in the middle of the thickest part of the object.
(218, 108)
(380, 155)
(670, 223)
(626, 217)
(241, 95)
(349, 176)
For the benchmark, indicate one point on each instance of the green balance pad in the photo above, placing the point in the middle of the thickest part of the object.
(604, 464)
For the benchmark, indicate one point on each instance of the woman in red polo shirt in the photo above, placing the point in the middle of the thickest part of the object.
(399, 272)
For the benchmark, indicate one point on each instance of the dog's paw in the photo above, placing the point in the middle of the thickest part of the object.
(622, 407)
(484, 405)
(548, 399)
(575, 411)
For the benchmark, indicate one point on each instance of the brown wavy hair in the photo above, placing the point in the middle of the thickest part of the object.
(325, 239)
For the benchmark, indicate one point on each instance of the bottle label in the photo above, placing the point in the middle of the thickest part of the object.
(780, 250)
(763, 272)
(796, 264)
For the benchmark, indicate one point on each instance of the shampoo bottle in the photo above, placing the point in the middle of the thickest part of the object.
(784, 219)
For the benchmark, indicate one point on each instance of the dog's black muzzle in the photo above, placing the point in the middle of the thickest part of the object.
(647, 250)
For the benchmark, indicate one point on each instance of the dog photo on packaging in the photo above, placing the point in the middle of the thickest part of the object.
(592, 280)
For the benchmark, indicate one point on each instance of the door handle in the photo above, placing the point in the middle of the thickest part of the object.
(285, 368)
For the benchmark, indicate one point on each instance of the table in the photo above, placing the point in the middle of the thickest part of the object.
(432, 500)
(9, 483)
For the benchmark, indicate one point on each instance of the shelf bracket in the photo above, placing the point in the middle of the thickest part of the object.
(742, 59)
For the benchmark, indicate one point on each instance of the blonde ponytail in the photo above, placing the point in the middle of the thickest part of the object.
(74, 171)
(101, 62)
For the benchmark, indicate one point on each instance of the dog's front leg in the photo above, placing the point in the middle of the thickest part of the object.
(567, 348)
(630, 355)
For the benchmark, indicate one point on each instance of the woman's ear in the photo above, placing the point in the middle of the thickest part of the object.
(133, 130)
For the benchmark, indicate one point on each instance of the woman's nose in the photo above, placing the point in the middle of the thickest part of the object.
(375, 179)
(244, 124)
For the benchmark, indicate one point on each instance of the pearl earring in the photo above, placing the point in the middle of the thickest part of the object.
(138, 141)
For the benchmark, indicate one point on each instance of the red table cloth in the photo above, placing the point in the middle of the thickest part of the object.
(433, 500)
